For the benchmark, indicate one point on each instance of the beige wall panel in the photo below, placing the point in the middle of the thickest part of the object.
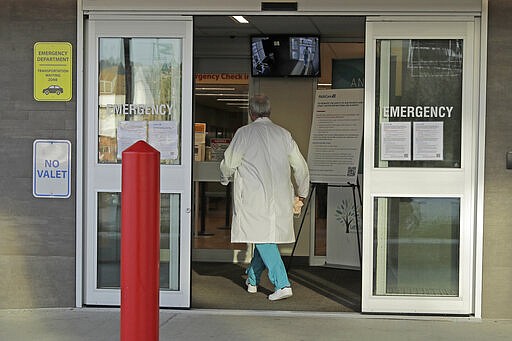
(391, 5)
(330, 51)
(497, 296)
(188, 5)
(497, 250)
(292, 108)
(357, 6)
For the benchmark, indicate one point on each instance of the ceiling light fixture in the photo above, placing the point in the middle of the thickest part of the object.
(221, 94)
(240, 19)
(216, 89)
(233, 99)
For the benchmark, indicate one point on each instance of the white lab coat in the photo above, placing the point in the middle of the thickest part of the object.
(258, 160)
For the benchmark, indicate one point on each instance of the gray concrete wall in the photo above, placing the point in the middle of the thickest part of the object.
(497, 262)
(37, 236)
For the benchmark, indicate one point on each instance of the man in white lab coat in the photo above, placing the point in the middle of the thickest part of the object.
(259, 161)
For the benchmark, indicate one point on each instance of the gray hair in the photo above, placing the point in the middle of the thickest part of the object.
(260, 105)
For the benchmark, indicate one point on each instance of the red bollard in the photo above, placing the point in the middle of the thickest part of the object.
(140, 243)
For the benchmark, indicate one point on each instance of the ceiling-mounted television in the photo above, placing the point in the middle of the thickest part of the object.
(279, 55)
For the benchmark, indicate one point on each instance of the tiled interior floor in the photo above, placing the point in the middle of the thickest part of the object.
(221, 285)
(316, 289)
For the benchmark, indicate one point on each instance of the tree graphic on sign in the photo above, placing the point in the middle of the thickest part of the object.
(345, 215)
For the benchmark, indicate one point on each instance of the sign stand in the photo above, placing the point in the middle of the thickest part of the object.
(311, 192)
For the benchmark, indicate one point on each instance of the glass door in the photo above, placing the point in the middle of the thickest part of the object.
(139, 87)
(419, 166)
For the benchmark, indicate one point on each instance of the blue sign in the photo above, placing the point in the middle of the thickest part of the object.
(52, 169)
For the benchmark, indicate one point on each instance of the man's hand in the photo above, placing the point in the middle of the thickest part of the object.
(297, 205)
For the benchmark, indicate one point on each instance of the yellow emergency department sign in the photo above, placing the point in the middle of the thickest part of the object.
(53, 71)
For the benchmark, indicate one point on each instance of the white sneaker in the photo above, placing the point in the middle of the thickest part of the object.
(250, 288)
(281, 294)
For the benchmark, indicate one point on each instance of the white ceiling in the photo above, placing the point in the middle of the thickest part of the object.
(328, 27)
(219, 38)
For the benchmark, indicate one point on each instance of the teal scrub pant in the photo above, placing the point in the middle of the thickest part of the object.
(267, 256)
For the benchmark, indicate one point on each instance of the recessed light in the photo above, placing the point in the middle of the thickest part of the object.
(240, 19)
(232, 99)
(218, 88)
(217, 94)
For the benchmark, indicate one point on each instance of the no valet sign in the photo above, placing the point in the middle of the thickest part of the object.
(52, 169)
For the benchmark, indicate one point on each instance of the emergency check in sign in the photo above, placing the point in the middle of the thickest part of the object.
(53, 71)
(52, 169)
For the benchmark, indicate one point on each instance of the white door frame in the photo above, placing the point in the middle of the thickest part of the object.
(480, 102)
(456, 182)
(107, 177)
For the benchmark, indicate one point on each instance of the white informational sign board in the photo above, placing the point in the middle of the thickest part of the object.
(342, 243)
(51, 169)
(336, 132)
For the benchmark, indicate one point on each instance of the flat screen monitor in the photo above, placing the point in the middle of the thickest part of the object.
(285, 56)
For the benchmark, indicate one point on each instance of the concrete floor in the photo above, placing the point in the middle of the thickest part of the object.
(96, 324)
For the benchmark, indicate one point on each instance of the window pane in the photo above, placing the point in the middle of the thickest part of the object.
(139, 96)
(416, 246)
(418, 103)
(109, 240)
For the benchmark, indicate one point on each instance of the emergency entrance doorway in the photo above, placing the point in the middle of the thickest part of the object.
(222, 53)
(395, 62)
(432, 66)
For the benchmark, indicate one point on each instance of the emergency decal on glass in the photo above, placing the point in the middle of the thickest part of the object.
(138, 109)
(417, 111)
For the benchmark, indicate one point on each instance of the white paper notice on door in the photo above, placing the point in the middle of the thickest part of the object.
(129, 132)
(395, 141)
(163, 136)
(428, 141)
